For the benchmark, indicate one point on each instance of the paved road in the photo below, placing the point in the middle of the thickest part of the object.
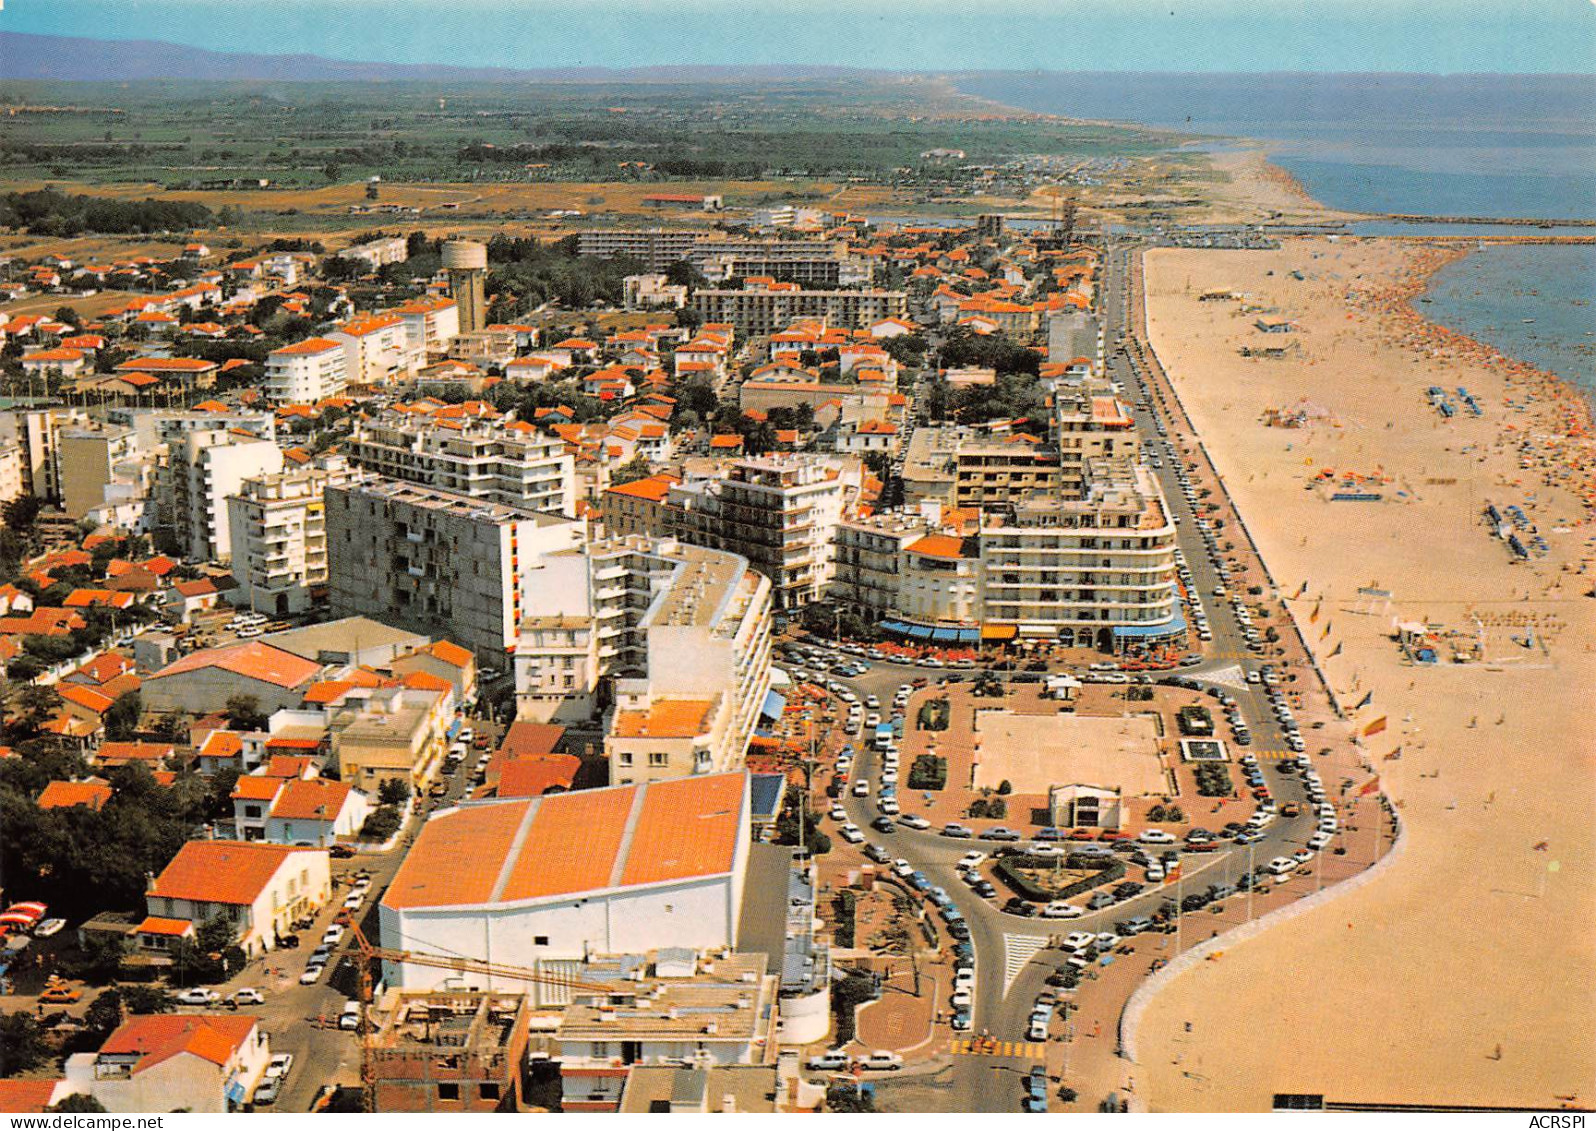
(1012, 961)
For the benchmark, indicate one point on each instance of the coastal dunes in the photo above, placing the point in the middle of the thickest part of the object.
(1461, 972)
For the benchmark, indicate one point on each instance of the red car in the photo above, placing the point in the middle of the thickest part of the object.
(1083, 834)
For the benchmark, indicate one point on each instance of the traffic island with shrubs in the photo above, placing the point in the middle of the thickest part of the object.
(1029, 875)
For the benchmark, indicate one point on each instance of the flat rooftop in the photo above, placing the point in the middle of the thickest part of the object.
(345, 637)
(1036, 752)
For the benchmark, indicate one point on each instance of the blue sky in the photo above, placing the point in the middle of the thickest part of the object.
(1427, 36)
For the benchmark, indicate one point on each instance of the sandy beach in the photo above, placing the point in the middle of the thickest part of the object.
(1462, 973)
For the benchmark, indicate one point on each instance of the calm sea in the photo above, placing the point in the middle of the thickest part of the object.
(1472, 145)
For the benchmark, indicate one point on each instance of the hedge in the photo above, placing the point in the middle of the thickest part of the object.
(930, 771)
(1008, 868)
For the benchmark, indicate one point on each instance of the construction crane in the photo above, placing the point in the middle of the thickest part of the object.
(461, 965)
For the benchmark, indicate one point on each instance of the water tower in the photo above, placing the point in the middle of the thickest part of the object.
(467, 265)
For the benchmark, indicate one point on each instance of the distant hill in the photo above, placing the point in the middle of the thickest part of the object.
(60, 58)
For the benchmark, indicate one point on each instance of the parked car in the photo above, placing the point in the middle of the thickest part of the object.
(267, 1091)
(958, 832)
(278, 1067)
(247, 995)
(882, 1060)
(199, 995)
(833, 1060)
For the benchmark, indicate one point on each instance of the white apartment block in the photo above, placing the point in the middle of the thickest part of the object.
(492, 460)
(763, 310)
(707, 656)
(35, 432)
(203, 468)
(430, 325)
(684, 630)
(378, 252)
(1094, 571)
(279, 534)
(307, 371)
(437, 562)
(377, 349)
(781, 513)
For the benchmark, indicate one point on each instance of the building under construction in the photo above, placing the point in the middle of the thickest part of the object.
(455, 1051)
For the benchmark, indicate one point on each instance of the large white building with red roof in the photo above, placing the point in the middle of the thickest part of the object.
(554, 879)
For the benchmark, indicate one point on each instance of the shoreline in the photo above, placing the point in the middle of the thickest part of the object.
(1396, 316)
(1404, 942)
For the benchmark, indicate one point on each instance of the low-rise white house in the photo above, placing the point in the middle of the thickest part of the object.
(174, 1062)
(260, 888)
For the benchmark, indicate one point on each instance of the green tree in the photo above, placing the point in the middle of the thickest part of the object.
(1005, 787)
(332, 171)
(22, 512)
(139, 999)
(122, 719)
(79, 1103)
(244, 713)
(631, 471)
(104, 1013)
(38, 703)
(22, 1046)
(393, 791)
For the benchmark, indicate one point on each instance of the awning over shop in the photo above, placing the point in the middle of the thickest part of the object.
(897, 628)
(1150, 631)
(999, 632)
(775, 704)
(918, 631)
(967, 635)
(944, 635)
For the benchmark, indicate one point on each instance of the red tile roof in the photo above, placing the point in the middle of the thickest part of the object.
(565, 843)
(69, 794)
(310, 799)
(252, 659)
(221, 871)
(135, 751)
(158, 1037)
(21, 1097)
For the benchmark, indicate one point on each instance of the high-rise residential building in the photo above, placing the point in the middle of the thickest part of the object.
(376, 349)
(492, 459)
(378, 252)
(11, 460)
(35, 432)
(964, 467)
(672, 624)
(1092, 570)
(94, 461)
(706, 673)
(761, 310)
(279, 533)
(430, 325)
(781, 513)
(306, 371)
(1087, 428)
(604, 611)
(204, 466)
(439, 562)
(655, 248)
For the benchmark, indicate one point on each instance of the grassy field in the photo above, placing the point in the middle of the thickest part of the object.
(172, 134)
